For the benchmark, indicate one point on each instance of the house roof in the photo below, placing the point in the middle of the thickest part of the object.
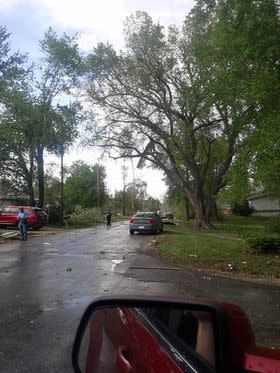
(261, 196)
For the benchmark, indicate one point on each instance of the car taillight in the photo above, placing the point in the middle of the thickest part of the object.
(132, 221)
(150, 221)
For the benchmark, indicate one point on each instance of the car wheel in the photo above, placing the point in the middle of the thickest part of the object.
(131, 231)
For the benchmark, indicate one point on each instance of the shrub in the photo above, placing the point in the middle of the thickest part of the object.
(274, 225)
(262, 244)
(85, 217)
(242, 209)
(54, 214)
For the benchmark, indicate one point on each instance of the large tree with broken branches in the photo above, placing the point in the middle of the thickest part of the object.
(176, 99)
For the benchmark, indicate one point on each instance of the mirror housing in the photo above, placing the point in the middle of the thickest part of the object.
(218, 312)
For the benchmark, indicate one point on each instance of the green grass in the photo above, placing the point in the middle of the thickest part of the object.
(219, 248)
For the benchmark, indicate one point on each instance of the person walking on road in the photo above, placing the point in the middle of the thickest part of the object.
(109, 218)
(22, 223)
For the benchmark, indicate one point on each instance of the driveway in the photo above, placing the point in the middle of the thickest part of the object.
(46, 283)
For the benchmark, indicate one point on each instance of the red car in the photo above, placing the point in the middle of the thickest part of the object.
(36, 217)
(161, 336)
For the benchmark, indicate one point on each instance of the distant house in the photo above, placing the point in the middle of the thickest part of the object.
(225, 209)
(265, 206)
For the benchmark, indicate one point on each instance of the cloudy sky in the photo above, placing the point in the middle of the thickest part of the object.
(94, 21)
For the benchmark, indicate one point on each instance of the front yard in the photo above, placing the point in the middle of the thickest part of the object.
(220, 250)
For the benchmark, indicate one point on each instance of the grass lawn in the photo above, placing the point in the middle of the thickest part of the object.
(220, 249)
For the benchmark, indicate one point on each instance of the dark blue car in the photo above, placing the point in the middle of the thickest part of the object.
(147, 222)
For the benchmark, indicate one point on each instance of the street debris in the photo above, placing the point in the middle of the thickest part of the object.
(68, 269)
(193, 256)
(153, 243)
(12, 234)
(206, 278)
(231, 267)
(117, 261)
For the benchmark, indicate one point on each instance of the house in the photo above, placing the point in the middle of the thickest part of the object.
(265, 206)
(225, 209)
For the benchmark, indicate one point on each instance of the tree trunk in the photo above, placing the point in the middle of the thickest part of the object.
(187, 207)
(202, 215)
(30, 179)
(30, 191)
(61, 186)
(209, 213)
(41, 181)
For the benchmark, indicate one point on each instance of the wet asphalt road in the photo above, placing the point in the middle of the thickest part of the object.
(47, 282)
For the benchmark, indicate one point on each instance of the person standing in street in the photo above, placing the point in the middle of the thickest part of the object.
(22, 223)
(109, 218)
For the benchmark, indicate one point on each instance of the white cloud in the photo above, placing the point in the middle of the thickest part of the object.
(6, 6)
(103, 20)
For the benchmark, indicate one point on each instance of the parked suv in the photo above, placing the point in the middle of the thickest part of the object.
(36, 217)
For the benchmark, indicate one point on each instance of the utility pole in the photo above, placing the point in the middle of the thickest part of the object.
(97, 185)
(132, 189)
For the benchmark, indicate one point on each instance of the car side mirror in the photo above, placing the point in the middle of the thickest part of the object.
(147, 334)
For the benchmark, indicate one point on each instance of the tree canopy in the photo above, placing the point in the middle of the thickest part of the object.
(32, 119)
(189, 99)
(85, 186)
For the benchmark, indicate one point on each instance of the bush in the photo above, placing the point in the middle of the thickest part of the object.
(54, 214)
(274, 225)
(262, 244)
(242, 209)
(85, 217)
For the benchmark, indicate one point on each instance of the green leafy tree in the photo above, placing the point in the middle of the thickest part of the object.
(53, 199)
(14, 168)
(18, 149)
(32, 120)
(12, 66)
(248, 46)
(188, 100)
(85, 186)
(59, 68)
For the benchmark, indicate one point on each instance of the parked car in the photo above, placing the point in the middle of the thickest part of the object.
(167, 215)
(36, 217)
(148, 222)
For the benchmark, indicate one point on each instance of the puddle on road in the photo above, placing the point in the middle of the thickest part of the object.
(51, 250)
(115, 262)
(87, 256)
